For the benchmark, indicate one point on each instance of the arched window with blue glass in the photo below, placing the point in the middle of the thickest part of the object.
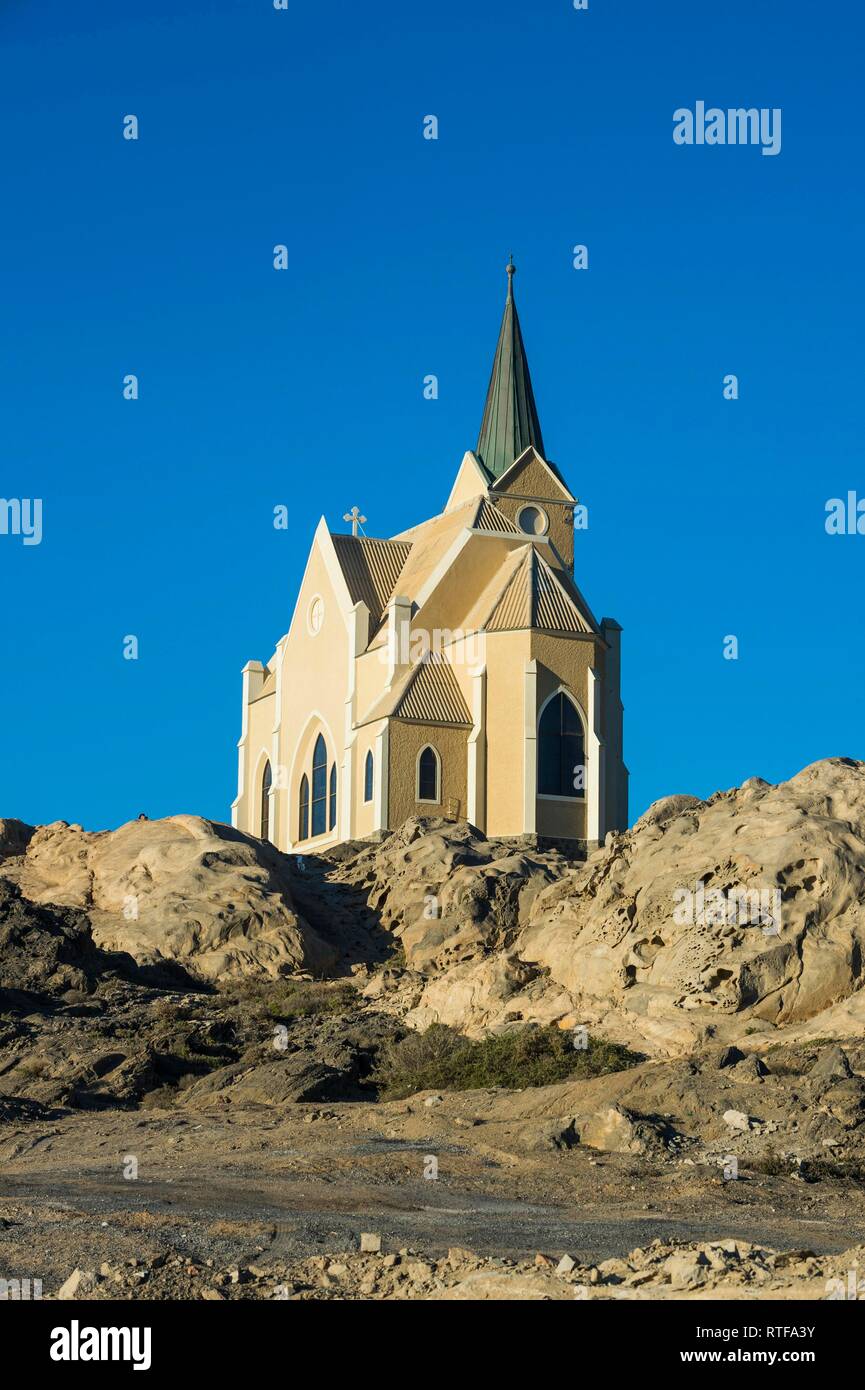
(561, 749)
(303, 817)
(428, 775)
(319, 787)
(368, 771)
(266, 779)
(331, 808)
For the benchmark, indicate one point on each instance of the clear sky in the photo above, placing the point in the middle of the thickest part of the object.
(305, 387)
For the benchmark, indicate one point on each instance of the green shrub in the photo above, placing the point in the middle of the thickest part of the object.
(286, 998)
(303, 998)
(442, 1059)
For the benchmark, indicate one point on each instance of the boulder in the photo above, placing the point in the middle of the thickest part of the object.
(613, 1130)
(183, 889)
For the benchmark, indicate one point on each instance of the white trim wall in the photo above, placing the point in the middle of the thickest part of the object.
(476, 774)
(595, 763)
(381, 778)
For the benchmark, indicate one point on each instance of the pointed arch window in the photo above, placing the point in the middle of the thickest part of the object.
(319, 786)
(561, 750)
(266, 779)
(331, 806)
(303, 821)
(428, 775)
(368, 772)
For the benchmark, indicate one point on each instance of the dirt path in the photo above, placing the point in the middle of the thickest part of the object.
(306, 1217)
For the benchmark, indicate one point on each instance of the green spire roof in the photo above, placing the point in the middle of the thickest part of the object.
(510, 422)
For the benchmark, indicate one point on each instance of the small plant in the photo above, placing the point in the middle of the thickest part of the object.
(442, 1059)
(286, 998)
(772, 1165)
(304, 998)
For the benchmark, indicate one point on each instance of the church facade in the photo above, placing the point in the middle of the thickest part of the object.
(453, 670)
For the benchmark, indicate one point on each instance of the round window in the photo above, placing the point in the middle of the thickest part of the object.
(533, 520)
(315, 617)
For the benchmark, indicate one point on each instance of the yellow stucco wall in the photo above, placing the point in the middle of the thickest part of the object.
(406, 742)
(314, 683)
(365, 810)
(258, 752)
(469, 483)
(535, 481)
(371, 670)
(507, 654)
(565, 662)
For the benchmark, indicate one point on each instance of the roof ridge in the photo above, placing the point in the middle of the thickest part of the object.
(544, 572)
(517, 569)
(442, 702)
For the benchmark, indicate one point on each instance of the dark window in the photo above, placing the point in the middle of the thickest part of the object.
(367, 777)
(265, 802)
(428, 776)
(303, 833)
(561, 756)
(331, 817)
(319, 787)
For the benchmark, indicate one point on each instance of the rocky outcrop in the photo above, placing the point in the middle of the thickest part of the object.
(707, 920)
(182, 889)
(133, 1034)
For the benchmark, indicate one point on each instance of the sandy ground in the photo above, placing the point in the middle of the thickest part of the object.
(257, 1186)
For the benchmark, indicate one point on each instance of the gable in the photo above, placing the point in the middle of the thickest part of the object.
(533, 476)
(537, 596)
(472, 480)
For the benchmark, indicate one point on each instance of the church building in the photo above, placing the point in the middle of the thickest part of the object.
(454, 670)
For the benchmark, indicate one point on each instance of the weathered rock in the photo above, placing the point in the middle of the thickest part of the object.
(613, 1130)
(736, 1119)
(831, 1065)
(80, 1283)
(181, 889)
(15, 836)
(617, 943)
(686, 1270)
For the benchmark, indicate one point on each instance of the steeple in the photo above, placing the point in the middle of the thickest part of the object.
(510, 422)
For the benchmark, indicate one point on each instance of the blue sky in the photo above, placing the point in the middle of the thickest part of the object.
(304, 387)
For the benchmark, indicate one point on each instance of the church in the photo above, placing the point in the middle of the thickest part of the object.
(454, 670)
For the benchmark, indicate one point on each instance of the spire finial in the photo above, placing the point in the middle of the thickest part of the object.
(510, 421)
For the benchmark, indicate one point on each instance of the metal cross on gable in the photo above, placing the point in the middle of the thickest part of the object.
(356, 520)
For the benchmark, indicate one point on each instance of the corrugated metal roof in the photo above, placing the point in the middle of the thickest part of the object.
(433, 696)
(552, 608)
(513, 608)
(371, 568)
(535, 596)
(489, 518)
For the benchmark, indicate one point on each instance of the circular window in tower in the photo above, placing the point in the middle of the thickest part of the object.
(315, 616)
(533, 520)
